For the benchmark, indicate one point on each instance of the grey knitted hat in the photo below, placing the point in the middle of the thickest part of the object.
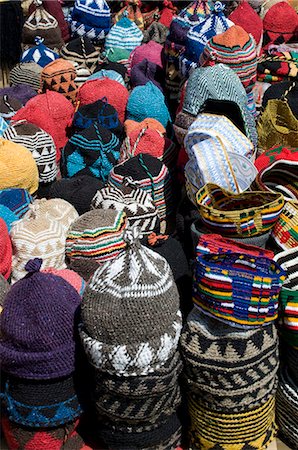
(131, 323)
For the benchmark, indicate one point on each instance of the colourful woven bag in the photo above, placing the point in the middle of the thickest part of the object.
(239, 289)
(238, 215)
(288, 316)
(285, 232)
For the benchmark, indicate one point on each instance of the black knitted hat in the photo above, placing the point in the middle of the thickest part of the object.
(109, 65)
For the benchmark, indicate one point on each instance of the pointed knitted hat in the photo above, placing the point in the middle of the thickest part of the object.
(91, 18)
(59, 76)
(280, 24)
(26, 73)
(151, 51)
(39, 54)
(247, 18)
(124, 34)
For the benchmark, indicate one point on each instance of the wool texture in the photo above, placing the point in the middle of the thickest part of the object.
(59, 76)
(54, 8)
(4, 288)
(9, 106)
(6, 251)
(124, 34)
(245, 17)
(39, 54)
(91, 19)
(280, 24)
(70, 276)
(21, 92)
(26, 74)
(18, 201)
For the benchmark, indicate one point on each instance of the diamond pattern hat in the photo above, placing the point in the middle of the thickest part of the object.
(39, 54)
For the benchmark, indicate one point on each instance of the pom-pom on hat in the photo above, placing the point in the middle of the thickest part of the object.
(26, 73)
(39, 54)
(6, 250)
(91, 19)
(18, 168)
(59, 76)
(21, 92)
(124, 34)
(43, 347)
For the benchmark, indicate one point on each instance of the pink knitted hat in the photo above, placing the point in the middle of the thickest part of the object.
(6, 250)
(151, 52)
(70, 276)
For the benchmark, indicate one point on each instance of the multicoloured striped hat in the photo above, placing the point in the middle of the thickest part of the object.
(285, 231)
(124, 34)
(288, 316)
(238, 289)
(247, 214)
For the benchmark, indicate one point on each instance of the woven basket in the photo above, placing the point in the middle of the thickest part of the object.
(238, 215)
(285, 232)
(288, 316)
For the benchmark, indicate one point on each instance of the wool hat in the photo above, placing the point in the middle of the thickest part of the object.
(280, 24)
(44, 347)
(151, 14)
(111, 74)
(285, 231)
(167, 13)
(26, 74)
(91, 19)
(132, 11)
(151, 51)
(106, 64)
(131, 125)
(288, 259)
(78, 191)
(59, 76)
(116, 54)
(54, 209)
(18, 168)
(40, 144)
(21, 92)
(124, 34)
(94, 238)
(114, 93)
(39, 54)
(55, 9)
(261, 276)
(70, 276)
(93, 151)
(16, 200)
(149, 174)
(53, 113)
(216, 90)
(6, 250)
(134, 347)
(3, 125)
(42, 24)
(277, 91)
(156, 32)
(247, 18)
(144, 140)
(4, 288)
(148, 101)
(9, 106)
(146, 71)
(136, 203)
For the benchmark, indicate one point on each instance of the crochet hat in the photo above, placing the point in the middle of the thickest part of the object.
(149, 174)
(6, 250)
(21, 92)
(54, 209)
(134, 347)
(16, 200)
(136, 203)
(93, 151)
(17, 167)
(70, 276)
(40, 144)
(131, 125)
(78, 191)
(3, 126)
(146, 71)
(148, 101)
(47, 349)
(112, 91)
(39, 54)
(53, 113)
(131, 10)
(42, 24)
(26, 74)
(156, 32)
(285, 231)
(55, 9)
(280, 24)
(247, 18)
(94, 238)
(287, 407)
(9, 106)
(143, 140)
(59, 76)
(124, 34)
(91, 19)
(111, 74)
(151, 52)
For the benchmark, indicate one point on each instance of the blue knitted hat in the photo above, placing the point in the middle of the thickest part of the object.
(148, 102)
(40, 54)
(124, 34)
(112, 74)
(91, 18)
(16, 200)
(8, 216)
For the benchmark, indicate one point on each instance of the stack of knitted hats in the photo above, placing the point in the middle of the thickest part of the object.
(230, 348)
(136, 392)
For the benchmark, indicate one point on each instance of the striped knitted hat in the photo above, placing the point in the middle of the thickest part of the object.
(124, 34)
(91, 18)
(9, 106)
(94, 238)
(94, 151)
(18, 168)
(40, 144)
(218, 288)
(59, 76)
(285, 231)
(6, 250)
(26, 73)
(288, 260)
(39, 54)
(136, 203)
(287, 408)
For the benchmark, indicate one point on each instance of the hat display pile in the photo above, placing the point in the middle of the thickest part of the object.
(149, 225)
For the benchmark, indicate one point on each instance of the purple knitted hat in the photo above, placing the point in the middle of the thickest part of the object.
(21, 92)
(37, 326)
(145, 71)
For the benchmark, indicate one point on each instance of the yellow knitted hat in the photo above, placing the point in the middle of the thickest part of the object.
(18, 168)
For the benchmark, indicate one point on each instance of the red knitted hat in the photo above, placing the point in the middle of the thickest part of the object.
(52, 112)
(280, 24)
(146, 140)
(167, 13)
(5, 250)
(247, 18)
(114, 92)
(274, 154)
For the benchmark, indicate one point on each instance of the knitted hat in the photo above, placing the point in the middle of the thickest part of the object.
(3, 126)
(277, 90)
(131, 125)
(44, 347)
(148, 101)
(134, 347)
(247, 18)
(217, 90)
(116, 54)
(287, 259)
(146, 71)
(151, 52)
(93, 151)
(54, 209)
(94, 238)
(59, 76)
(98, 112)
(149, 174)
(9, 106)
(55, 9)
(156, 32)
(8, 216)
(167, 13)
(112, 91)
(40, 23)
(132, 11)
(17, 167)
(136, 203)
(144, 140)
(39, 54)
(280, 24)
(285, 231)
(17, 201)
(287, 408)
(4, 288)
(91, 19)
(6, 250)
(124, 34)
(78, 191)
(40, 144)
(21, 92)
(237, 49)
(70, 276)
(288, 326)
(262, 278)
(110, 65)
(111, 74)
(26, 74)
(53, 113)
